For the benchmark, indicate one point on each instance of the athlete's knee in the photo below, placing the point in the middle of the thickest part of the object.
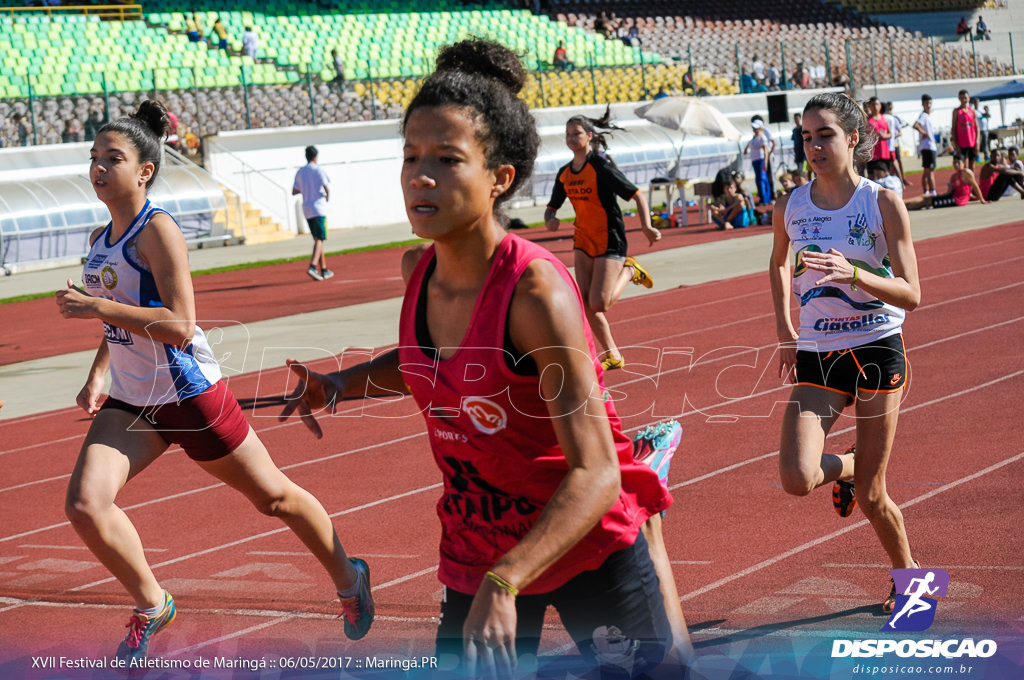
(875, 503)
(599, 303)
(798, 482)
(275, 505)
(82, 507)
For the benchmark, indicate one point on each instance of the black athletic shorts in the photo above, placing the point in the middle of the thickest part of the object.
(928, 159)
(877, 366)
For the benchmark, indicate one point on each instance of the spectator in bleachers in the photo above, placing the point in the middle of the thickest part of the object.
(561, 58)
(926, 145)
(24, 130)
(840, 79)
(222, 34)
(601, 24)
(687, 82)
(757, 68)
(662, 93)
(895, 125)
(773, 77)
(250, 42)
(997, 177)
(95, 119)
(633, 39)
(963, 30)
(198, 25)
(981, 30)
(339, 70)
(748, 83)
(73, 131)
(964, 130)
(192, 28)
(801, 77)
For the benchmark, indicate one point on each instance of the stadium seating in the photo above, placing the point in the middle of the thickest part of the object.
(724, 37)
(387, 46)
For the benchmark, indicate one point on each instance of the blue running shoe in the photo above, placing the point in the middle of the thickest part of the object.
(141, 629)
(358, 609)
(656, 444)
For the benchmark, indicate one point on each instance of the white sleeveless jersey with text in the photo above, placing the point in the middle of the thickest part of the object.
(834, 315)
(143, 372)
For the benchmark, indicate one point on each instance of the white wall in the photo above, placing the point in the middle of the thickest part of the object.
(364, 159)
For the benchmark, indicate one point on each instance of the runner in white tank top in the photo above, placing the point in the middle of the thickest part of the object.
(143, 372)
(166, 388)
(837, 315)
(856, 273)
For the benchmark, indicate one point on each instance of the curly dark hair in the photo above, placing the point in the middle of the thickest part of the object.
(145, 130)
(486, 78)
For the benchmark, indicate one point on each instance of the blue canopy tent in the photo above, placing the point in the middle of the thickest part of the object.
(1010, 90)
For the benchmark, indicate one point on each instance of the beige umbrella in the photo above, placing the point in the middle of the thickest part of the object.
(689, 115)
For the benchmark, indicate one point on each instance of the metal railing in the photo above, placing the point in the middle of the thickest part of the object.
(112, 12)
(251, 185)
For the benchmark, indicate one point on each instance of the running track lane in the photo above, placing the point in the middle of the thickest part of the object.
(951, 460)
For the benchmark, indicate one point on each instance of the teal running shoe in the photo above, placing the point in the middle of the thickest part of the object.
(358, 609)
(141, 629)
(656, 444)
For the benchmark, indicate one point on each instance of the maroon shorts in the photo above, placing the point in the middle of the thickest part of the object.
(208, 426)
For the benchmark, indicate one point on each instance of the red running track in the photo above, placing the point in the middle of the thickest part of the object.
(748, 556)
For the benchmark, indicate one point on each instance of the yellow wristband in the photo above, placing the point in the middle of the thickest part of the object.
(853, 284)
(502, 583)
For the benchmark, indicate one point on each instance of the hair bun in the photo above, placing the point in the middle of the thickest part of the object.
(476, 56)
(153, 114)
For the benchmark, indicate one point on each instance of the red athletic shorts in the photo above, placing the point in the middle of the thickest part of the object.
(208, 426)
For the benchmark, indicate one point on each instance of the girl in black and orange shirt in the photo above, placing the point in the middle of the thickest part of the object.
(593, 184)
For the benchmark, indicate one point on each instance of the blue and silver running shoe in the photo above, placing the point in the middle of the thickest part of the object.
(141, 629)
(358, 609)
(656, 444)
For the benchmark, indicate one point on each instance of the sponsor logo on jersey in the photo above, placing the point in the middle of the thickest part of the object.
(117, 336)
(850, 323)
(109, 277)
(486, 416)
(96, 260)
(858, 234)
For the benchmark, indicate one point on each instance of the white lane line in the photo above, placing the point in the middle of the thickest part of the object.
(218, 485)
(835, 433)
(852, 527)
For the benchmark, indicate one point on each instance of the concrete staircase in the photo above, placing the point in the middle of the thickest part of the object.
(252, 226)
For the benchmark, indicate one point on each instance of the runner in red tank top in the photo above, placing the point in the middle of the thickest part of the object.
(964, 130)
(542, 502)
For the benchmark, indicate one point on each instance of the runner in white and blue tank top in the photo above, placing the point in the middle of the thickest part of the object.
(143, 372)
(837, 316)
(855, 278)
(166, 388)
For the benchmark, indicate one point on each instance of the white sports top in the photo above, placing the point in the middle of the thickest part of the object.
(143, 372)
(836, 316)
